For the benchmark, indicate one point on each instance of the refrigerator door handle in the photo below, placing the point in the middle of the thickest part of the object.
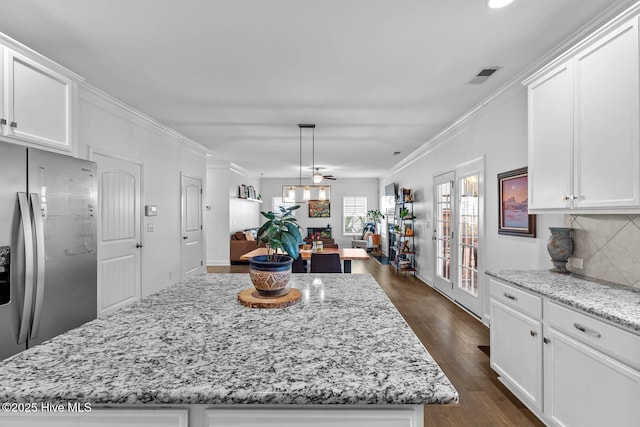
(36, 211)
(27, 232)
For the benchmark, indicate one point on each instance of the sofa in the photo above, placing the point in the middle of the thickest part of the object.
(241, 243)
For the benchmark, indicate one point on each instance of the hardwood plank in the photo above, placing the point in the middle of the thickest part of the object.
(452, 336)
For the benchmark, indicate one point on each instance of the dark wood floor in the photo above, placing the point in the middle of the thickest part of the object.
(452, 336)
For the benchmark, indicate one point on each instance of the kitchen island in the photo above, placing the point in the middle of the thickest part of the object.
(194, 346)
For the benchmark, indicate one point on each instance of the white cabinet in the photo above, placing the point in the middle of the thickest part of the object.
(60, 415)
(569, 368)
(584, 387)
(516, 352)
(584, 118)
(37, 102)
(516, 341)
(551, 139)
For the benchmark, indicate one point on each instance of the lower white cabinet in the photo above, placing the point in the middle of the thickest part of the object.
(584, 387)
(570, 369)
(516, 352)
(408, 416)
(47, 416)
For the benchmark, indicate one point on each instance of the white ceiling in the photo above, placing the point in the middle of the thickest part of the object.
(237, 76)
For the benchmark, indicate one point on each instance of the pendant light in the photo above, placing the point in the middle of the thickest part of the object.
(306, 194)
(322, 194)
(317, 178)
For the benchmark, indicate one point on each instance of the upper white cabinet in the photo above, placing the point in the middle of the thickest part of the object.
(584, 149)
(37, 102)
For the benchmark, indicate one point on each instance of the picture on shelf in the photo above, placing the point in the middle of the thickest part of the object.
(242, 190)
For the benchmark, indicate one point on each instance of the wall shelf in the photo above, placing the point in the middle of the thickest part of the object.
(250, 200)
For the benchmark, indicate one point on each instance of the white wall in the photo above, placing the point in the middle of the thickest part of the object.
(499, 133)
(339, 188)
(108, 127)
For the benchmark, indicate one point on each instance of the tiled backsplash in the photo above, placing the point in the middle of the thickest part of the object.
(609, 245)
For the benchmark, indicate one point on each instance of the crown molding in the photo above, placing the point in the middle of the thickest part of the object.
(127, 112)
(24, 50)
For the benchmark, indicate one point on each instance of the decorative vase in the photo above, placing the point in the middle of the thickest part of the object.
(560, 247)
(270, 278)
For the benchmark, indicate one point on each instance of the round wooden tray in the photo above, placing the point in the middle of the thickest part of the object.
(250, 298)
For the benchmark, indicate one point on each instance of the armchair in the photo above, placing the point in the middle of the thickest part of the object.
(365, 241)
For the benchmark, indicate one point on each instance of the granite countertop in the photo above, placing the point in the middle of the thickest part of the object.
(345, 343)
(615, 303)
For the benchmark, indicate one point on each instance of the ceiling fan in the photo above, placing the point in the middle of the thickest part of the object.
(318, 177)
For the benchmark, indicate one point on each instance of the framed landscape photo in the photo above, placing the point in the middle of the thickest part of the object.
(319, 209)
(513, 204)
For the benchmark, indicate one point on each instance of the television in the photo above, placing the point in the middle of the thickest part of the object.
(390, 190)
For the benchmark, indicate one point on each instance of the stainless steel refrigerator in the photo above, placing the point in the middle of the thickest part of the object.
(48, 264)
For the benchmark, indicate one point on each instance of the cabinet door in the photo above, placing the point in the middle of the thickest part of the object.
(583, 387)
(3, 115)
(516, 352)
(551, 139)
(38, 103)
(607, 152)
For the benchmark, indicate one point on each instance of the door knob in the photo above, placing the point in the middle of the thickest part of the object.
(138, 245)
(185, 237)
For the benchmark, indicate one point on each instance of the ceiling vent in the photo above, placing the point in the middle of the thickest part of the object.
(483, 75)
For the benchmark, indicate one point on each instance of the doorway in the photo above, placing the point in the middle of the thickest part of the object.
(119, 232)
(191, 219)
(458, 234)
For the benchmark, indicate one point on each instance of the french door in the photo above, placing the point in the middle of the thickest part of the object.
(444, 204)
(457, 234)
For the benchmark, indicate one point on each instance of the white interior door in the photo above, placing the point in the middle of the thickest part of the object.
(444, 204)
(192, 257)
(119, 230)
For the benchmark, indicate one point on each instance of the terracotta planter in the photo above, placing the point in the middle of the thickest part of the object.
(271, 279)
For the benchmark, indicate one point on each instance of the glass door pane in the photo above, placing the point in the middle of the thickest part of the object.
(443, 230)
(468, 225)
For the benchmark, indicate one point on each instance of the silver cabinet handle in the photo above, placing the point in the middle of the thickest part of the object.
(511, 297)
(138, 245)
(546, 340)
(27, 234)
(36, 211)
(185, 237)
(13, 124)
(573, 197)
(533, 333)
(587, 330)
(565, 198)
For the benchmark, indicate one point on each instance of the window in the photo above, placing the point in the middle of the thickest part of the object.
(277, 202)
(354, 214)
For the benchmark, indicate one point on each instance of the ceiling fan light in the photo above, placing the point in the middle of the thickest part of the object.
(317, 179)
(497, 4)
(306, 194)
(322, 194)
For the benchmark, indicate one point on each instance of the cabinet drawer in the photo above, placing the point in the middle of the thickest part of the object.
(609, 339)
(523, 301)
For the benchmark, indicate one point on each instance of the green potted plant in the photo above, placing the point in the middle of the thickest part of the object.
(376, 216)
(270, 273)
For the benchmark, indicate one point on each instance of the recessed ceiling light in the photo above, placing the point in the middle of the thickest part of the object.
(497, 4)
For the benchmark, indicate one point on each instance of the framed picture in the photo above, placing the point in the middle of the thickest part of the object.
(319, 209)
(242, 191)
(513, 204)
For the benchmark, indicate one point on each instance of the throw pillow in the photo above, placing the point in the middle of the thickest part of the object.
(249, 235)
